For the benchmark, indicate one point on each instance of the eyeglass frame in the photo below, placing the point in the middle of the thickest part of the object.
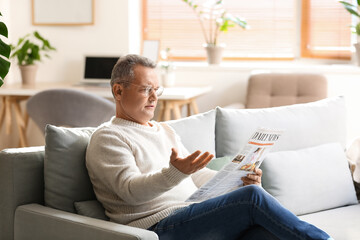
(147, 90)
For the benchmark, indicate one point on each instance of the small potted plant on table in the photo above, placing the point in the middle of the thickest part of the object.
(29, 49)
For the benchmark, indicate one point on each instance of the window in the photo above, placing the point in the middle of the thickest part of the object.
(325, 30)
(273, 30)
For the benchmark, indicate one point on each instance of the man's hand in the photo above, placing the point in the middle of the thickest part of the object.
(253, 178)
(191, 163)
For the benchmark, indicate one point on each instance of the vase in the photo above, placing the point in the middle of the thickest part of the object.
(168, 79)
(28, 74)
(214, 53)
(357, 53)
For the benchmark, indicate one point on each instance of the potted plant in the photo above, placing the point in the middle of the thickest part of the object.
(4, 52)
(214, 20)
(30, 49)
(355, 11)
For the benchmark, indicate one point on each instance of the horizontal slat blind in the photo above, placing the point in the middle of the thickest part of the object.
(272, 33)
(325, 30)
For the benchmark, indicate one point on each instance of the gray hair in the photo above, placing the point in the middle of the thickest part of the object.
(123, 71)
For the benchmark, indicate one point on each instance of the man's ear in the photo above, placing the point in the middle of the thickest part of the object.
(117, 90)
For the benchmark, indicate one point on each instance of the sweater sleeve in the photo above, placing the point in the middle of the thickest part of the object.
(202, 176)
(110, 160)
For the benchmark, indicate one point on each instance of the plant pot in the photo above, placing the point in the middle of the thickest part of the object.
(214, 53)
(357, 53)
(28, 74)
(168, 79)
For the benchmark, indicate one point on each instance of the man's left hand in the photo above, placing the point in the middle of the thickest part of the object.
(253, 178)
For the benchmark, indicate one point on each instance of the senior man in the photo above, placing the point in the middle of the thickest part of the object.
(142, 174)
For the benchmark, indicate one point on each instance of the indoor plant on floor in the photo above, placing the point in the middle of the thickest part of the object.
(355, 11)
(214, 20)
(28, 51)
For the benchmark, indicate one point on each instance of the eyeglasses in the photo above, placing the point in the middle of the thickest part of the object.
(147, 90)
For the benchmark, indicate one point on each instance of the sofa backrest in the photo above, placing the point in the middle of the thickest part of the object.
(305, 125)
(197, 132)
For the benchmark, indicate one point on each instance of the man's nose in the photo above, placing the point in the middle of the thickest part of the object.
(152, 95)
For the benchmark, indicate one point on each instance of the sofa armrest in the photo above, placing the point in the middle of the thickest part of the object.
(34, 221)
(21, 182)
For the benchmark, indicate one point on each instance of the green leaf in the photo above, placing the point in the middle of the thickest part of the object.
(4, 49)
(358, 2)
(352, 9)
(1, 82)
(3, 29)
(357, 29)
(347, 4)
(4, 67)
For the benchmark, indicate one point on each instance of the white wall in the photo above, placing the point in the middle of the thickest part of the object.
(108, 36)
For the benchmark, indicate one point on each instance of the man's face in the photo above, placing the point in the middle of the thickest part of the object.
(133, 104)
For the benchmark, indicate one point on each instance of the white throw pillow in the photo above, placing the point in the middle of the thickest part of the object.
(309, 180)
(305, 125)
(197, 132)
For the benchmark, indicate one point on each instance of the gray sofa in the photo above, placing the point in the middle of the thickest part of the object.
(46, 193)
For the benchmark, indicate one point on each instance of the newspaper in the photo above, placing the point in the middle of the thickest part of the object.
(245, 162)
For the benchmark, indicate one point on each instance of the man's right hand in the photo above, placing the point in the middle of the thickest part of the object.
(191, 163)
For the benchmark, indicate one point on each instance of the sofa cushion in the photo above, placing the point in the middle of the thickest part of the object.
(340, 223)
(197, 132)
(65, 174)
(309, 180)
(305, 125)
(92, 208)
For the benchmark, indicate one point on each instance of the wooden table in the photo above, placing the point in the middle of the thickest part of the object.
(11, 96)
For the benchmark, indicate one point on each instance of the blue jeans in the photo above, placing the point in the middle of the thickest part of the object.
(230, 216)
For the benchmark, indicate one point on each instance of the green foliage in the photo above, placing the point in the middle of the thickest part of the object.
(355, 11)
(4, 53)
(31, 48)
(214, 19)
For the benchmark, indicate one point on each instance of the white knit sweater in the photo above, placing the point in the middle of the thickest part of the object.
(128, 165)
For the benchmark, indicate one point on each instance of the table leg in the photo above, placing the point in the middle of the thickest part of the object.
(188, 106)
(161, 110)
(167, 111)
(8, 115)
(2, 111)
(176, 110)
(20, 121)
(194, 106)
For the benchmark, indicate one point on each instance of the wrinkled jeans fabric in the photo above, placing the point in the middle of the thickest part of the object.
(230, 216)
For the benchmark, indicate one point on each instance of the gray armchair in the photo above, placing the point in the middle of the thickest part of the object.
(69, 107)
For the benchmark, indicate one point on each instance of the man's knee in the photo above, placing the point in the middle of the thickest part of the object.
(254, 192)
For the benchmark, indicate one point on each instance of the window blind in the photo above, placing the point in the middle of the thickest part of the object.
(325, 30)
(272, 34)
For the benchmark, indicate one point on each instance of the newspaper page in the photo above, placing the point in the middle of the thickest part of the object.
(245, 162)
